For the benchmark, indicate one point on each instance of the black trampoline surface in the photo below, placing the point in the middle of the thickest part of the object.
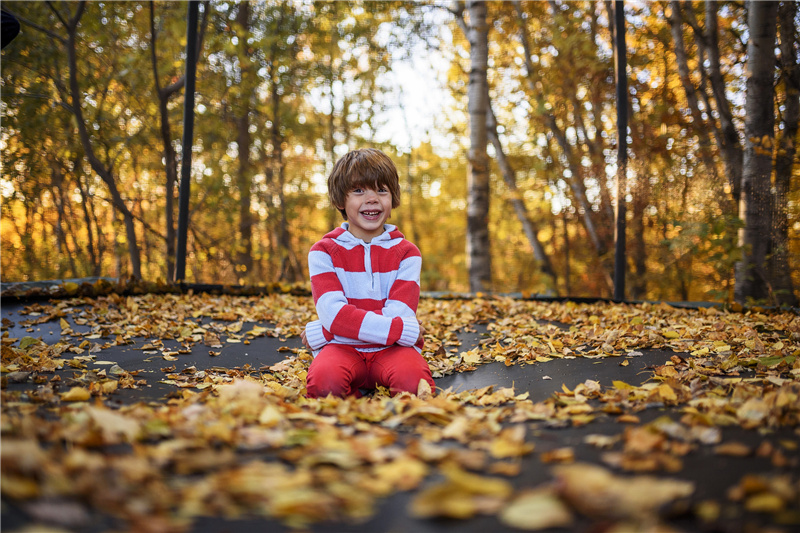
(713, 474)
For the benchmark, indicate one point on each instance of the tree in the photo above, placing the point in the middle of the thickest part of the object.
(786, 154)
(597, 223)
(242, 109)
(103, 169)
(752, 277)
(165, 94)
(478, 244)
(517, 202)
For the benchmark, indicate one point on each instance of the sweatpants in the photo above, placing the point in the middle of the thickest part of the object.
(342, 370)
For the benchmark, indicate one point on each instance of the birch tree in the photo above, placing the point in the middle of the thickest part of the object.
(478, 244)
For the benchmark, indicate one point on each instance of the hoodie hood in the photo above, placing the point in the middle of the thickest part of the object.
(342, 236)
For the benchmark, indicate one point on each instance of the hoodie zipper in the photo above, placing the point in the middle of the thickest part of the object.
(368, 264)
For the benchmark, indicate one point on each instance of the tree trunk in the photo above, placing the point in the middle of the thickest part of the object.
(516, 200)
(290, 268)
(244, 142)
(780, 269)
(58, 199)
(641, 199)
(752, 281)
(567, 273)
(170, 157)
(95, 253)
(478, 242)
(164, 95)
(83, 133)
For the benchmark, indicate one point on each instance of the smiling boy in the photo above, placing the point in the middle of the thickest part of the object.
(365, 284)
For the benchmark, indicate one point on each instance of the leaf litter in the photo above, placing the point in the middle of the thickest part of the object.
(236, 442)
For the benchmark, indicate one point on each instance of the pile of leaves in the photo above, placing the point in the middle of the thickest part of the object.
(245, 441)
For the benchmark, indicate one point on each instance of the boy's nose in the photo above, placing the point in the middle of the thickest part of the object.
(372, 196)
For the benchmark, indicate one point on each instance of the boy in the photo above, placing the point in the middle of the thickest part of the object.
(365, 284)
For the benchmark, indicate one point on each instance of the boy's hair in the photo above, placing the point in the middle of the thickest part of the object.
(365, 167)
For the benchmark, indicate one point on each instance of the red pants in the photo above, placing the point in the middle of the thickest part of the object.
(341, 370)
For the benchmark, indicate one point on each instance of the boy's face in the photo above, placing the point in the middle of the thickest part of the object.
(367, 211)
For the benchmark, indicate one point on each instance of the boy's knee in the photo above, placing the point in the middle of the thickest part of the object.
(409, 381)
(331, 374)
(321, 386)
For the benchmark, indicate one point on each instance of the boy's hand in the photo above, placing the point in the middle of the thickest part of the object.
(421, 337)
(303, 338)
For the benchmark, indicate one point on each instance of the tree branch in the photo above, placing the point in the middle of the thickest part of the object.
(36, 27)
(57, 13)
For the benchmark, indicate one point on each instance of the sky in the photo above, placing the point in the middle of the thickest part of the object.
(420, 96)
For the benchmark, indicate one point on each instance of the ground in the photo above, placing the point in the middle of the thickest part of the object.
(186, 412)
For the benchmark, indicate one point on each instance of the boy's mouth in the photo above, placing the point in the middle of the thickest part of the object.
(370, 214)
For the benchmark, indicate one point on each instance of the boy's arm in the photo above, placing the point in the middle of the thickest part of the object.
(315, 336)
(340, 318)
(403, 298)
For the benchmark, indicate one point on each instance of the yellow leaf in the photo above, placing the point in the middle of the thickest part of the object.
(667, 393)
(752, 412)
(107, 387)
(424, 391)
(404, 473)
(598, 493)
(71, 287)
(621, 385)
(536, 509)
(19, 487)
(75, 394)
(510, 443)
(559, 455)
(471, 357)
(735, 449)
(115, 427)
(257, 331)
(270, 416)
(462, 495)
(765, 502)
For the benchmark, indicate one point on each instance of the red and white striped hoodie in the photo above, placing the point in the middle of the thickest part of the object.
(366, 294)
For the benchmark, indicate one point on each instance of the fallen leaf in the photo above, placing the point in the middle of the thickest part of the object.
(462, 495)
(533, 510)
(76, 394)
(735, 449)
(598, 493)
(559, 455)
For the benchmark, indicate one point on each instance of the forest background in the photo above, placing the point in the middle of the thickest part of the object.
(92, 102)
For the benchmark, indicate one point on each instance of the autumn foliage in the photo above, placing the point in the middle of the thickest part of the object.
(92, 110)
